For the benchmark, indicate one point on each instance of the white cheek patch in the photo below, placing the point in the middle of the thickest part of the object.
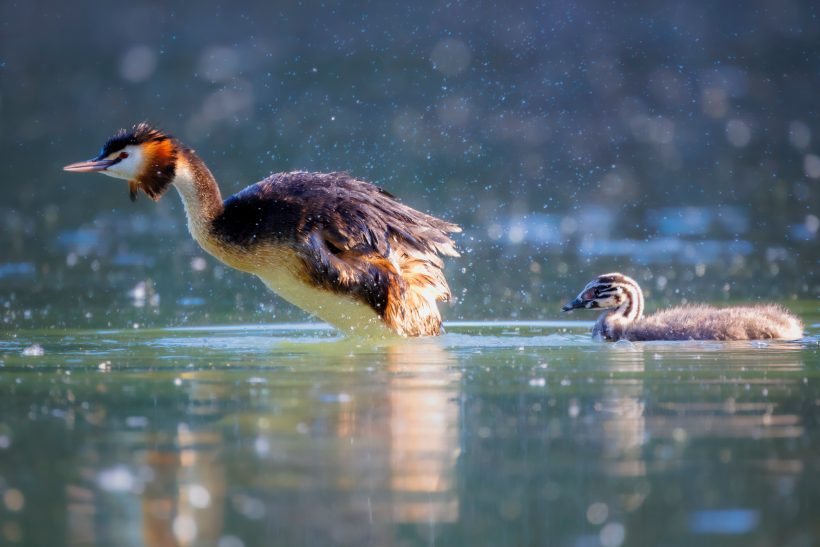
(127, 168)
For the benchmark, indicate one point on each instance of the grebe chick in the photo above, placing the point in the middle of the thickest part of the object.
(337, 247)
(623, 319)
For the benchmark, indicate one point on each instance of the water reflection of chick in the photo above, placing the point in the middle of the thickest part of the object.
(765, 411)
(621, 408)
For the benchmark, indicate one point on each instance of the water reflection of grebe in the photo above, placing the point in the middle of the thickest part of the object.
(623, 299)
(386, 456)
(424, 425)
(337, 247)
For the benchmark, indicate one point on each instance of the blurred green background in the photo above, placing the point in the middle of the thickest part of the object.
(674, 141)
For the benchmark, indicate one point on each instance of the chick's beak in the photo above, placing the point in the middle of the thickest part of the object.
(89, 166)
(574, 305)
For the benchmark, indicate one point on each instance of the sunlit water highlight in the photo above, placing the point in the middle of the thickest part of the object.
(497, 433)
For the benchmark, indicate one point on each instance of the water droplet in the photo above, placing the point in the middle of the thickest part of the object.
(612, 534)
(34, 350)
(199, 496)
(597, 513)
(14, 500)
(185, 528)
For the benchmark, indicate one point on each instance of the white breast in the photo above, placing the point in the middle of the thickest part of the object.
(343, 312)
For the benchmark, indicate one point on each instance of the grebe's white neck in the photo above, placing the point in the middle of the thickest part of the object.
(200, 194)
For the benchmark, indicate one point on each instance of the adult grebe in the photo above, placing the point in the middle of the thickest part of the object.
(622, 298)
(339, 248)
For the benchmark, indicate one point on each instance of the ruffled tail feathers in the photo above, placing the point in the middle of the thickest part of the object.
(413, 294)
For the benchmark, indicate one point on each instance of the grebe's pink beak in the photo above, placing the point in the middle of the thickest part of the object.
(89, 166)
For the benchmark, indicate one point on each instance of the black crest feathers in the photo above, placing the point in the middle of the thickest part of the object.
(141, 133)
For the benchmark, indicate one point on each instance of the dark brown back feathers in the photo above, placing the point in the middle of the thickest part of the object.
(353, 215)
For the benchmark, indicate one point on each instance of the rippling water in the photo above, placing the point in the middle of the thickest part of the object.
(495, 434)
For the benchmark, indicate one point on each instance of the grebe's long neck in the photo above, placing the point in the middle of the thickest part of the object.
(200, 194)
(613, 322)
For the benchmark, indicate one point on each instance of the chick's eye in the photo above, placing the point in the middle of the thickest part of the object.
(590, 294)
(123, 155)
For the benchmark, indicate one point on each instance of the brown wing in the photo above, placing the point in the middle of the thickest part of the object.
(354, 215)
(369, 244)
(351, 214)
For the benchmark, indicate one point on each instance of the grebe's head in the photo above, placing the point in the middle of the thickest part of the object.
(143, 156)
(604, 292)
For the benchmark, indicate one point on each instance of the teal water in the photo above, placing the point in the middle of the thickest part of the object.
(520, 433)
(674, 141)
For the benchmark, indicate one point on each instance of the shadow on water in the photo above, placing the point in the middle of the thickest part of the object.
(496, 433)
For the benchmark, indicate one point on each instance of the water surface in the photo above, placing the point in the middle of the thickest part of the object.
(520, 433)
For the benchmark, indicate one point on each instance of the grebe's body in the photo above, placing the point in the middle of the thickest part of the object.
(339, 248)
(623, 319)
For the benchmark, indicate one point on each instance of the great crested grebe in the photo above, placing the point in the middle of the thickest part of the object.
(339, 248)
(622, 298)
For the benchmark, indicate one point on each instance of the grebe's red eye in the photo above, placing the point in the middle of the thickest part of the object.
(123, 155)
(589, 295)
